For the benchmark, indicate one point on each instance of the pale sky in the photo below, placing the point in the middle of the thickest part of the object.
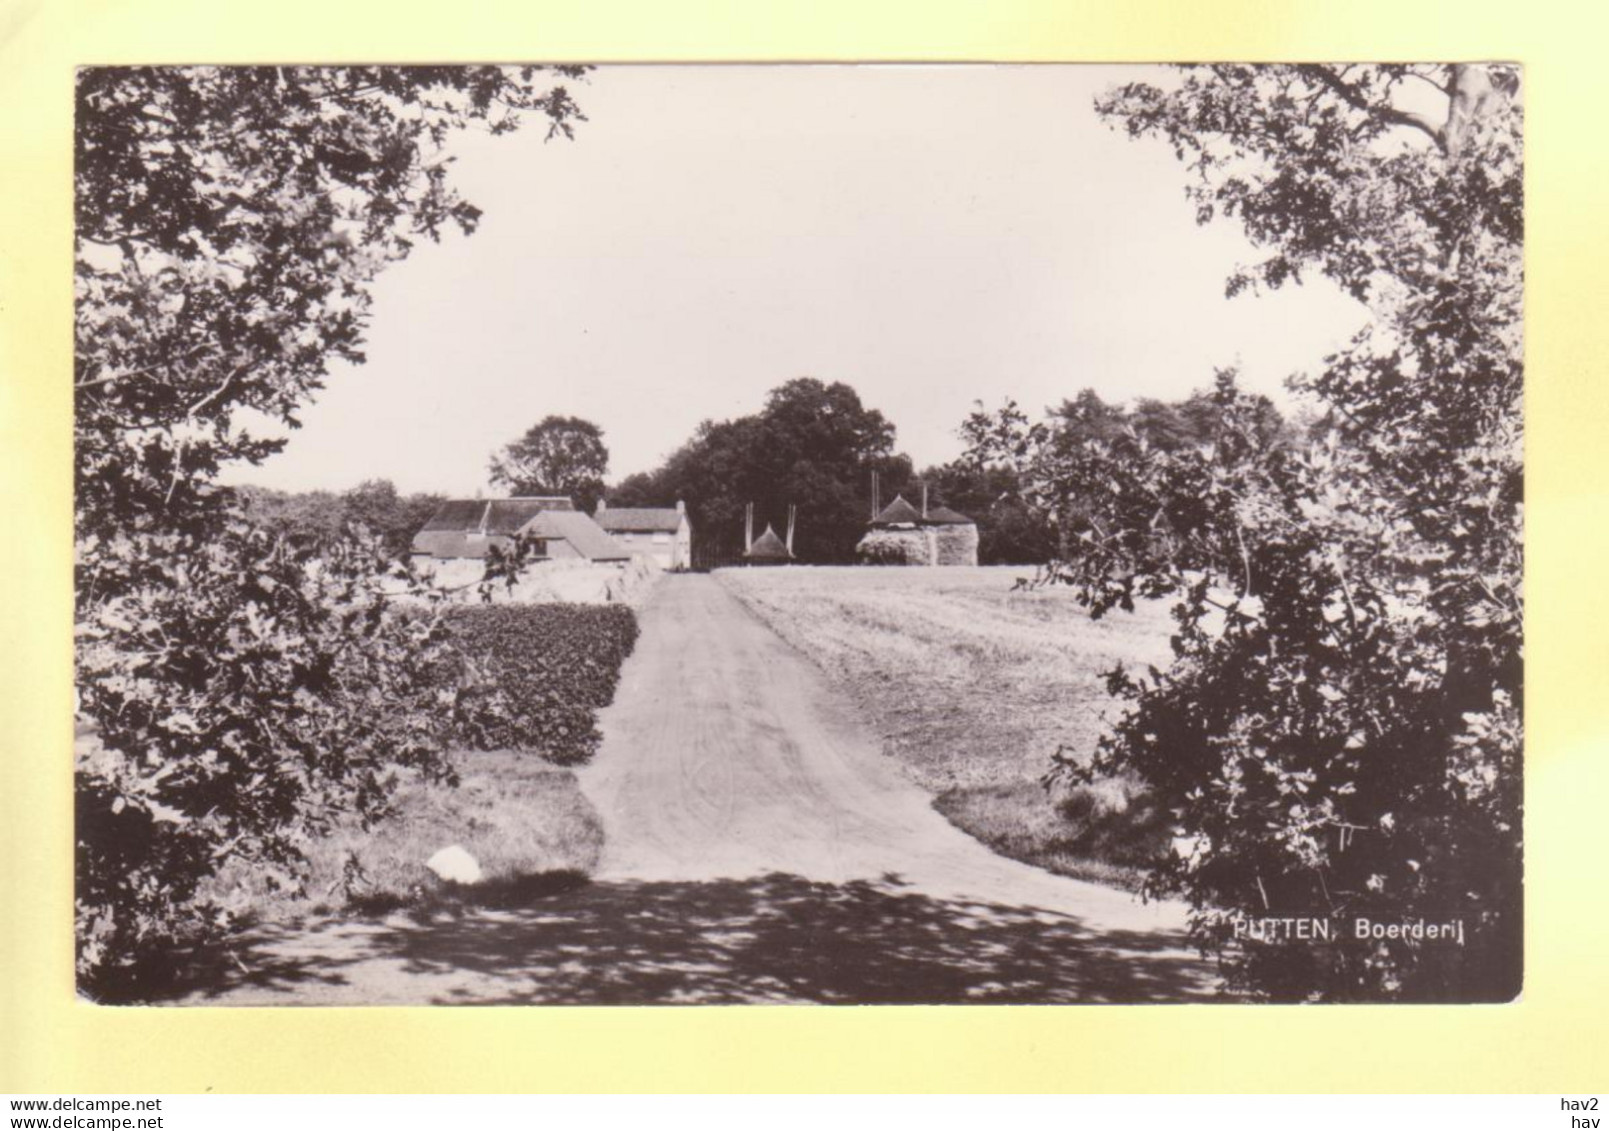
(930, 235)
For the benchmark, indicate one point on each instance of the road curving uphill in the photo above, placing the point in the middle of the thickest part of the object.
(727, 754)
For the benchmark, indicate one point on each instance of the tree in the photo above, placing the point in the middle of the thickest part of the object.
(1162, 425)
(236, 690)
(560, 455)
(1087, 417)
(318, 518)
(1339, 734)
(1020, 521)
(1010, 531)
(375, 506)
(228, 223)
(307, 518)
(813, 445)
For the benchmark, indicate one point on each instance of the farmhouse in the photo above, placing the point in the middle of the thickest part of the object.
(662, 533)
(901, 534)
(466, 529)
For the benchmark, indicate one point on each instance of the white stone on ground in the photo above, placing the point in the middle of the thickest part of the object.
(455, 864)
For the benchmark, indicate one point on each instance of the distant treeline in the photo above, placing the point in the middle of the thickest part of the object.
(815, 445)
(316, 517)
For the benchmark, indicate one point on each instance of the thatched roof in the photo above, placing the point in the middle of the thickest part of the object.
(768, 547)
(457, 515)
(586, 537)
(901, 513)
(493, 516)
(898, 513)
(640, 519)
(944, 516)
(468, 528)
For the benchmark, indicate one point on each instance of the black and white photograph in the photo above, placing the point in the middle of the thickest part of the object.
(844, 534)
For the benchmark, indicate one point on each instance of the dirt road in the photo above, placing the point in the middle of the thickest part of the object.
(760, 847)
(728, 754)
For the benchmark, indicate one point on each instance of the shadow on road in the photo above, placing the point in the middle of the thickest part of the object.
(776, 938)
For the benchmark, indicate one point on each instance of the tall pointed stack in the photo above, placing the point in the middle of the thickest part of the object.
(768, 549)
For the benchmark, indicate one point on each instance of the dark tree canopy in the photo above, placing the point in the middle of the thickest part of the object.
(1019, 522)
(318, 518)
(1010, 530)
(813, 445)
(560, 455)
(1163, 425)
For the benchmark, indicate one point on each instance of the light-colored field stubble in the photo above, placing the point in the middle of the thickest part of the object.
(972, 685)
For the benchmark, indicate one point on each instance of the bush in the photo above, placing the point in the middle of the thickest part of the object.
(1339, 734)
(241, 696)
(237, 695)
(546, 669)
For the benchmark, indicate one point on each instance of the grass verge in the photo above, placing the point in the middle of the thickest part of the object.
(525, 822)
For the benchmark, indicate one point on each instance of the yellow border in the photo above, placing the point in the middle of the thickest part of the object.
(1552, 1041)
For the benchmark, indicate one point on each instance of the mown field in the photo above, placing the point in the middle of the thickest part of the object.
(972, 686)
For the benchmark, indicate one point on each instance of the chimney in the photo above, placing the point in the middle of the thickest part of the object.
(792, 510)
(924, 498)
(875, 500)
(748, 528)
(681, 507)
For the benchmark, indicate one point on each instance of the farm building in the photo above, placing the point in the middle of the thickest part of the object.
(466, 529)
(662, 533)
(901, 534)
